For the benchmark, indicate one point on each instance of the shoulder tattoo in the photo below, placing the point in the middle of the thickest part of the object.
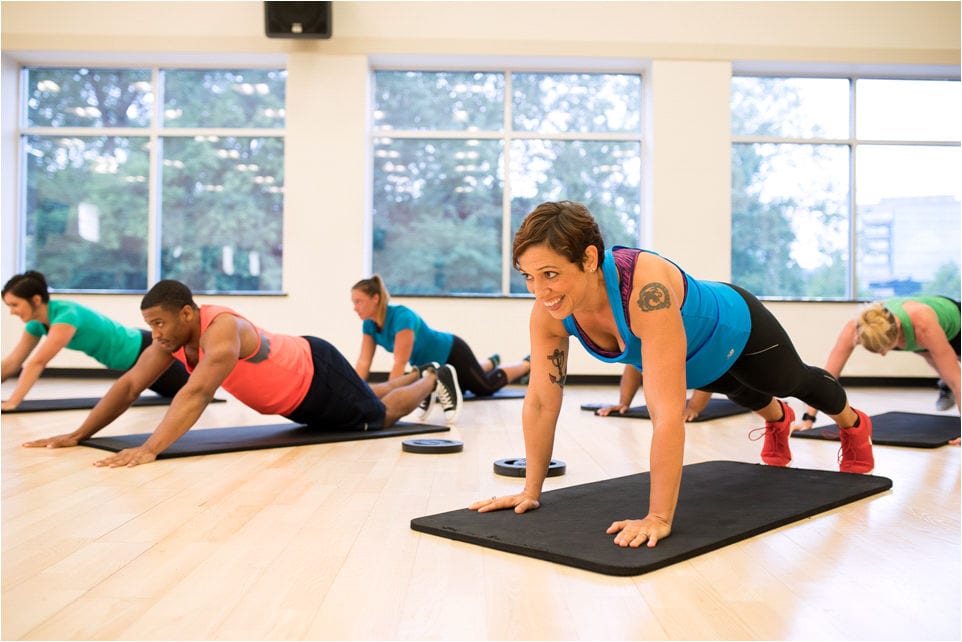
(653, 296)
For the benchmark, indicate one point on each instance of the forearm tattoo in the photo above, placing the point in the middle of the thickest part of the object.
(653, 296)
(558, 361)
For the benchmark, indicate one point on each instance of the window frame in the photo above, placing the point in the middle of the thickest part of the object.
(852, 142)
(155, 133)
(508, 67)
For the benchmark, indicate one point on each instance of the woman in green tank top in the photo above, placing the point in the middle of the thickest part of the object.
(926, 325)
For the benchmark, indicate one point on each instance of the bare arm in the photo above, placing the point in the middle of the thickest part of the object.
(13, 361)
(696, 403)
(221, 344)
(837, 358)
(656, 319)
(151, 364)
(539, 415)
(403, 346)
(630, 383)
(57, 339)
(366, 357)
(939, 353)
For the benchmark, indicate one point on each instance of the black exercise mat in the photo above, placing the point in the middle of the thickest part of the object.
(915, 430)
(721, 502)
(85, 403)
(716, 409)
(504, 393)
(210, 441)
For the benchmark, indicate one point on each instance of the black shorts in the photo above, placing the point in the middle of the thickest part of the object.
(338, 399)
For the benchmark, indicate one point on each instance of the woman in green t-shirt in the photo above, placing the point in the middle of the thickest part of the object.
(69, 325)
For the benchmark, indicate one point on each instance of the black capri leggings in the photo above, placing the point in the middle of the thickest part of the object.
(470, 374)
(769, 366)
(172, 379)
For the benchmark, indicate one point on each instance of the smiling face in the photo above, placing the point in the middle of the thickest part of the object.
(169, 328)
(26, 309)
(365, 305)
(556, 283)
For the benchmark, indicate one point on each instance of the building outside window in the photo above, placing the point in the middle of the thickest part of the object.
(846, 188)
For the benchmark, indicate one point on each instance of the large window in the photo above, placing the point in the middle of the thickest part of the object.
(134, 175)
(461, 157)
(846, 188)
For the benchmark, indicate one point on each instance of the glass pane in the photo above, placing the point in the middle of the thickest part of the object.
(790, 219)
(439, 101)
(222, 208)
(909, 220)
(86, 211)
(790, 107)
(437, 215)
(583, 103)
(88, 97)
(919, 110)
(224, 98)
(604, 176)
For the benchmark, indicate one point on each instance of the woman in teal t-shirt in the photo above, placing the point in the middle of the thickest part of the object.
(401, 331)
(70, 325)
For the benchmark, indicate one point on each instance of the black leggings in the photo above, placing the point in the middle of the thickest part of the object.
(769, 366)
(470, 374)
(172, 379)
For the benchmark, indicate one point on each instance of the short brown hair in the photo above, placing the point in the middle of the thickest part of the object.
(564, 226)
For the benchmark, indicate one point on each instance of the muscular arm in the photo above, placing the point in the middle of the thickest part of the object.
(221, 345)
(656, 320)
(655, 315)
(151, 364)
(57, 339)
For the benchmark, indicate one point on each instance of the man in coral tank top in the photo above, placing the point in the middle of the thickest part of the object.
(304, 379)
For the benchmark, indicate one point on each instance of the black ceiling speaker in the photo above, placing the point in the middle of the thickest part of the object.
(297, 19)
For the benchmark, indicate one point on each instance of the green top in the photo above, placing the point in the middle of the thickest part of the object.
(946, 311)
(110, 343)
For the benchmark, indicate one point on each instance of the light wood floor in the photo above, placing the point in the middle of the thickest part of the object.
(314, 542)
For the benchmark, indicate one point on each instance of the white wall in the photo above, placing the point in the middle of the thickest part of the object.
(685, 49)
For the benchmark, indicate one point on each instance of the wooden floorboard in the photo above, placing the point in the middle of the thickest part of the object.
(314, 542)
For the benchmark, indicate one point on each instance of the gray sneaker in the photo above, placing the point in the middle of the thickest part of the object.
(946, 399)
(449, 393)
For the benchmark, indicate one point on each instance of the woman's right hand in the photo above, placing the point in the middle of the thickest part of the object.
(520, 502)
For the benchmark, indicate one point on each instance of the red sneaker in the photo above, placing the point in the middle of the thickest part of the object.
(775, 451)
(855, 455)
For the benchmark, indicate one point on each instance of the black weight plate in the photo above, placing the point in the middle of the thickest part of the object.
(516, 467)
(432, 446)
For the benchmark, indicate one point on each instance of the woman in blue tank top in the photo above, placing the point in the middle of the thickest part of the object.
(634, 307)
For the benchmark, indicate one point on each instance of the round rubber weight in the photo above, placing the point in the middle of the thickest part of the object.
(516, 467)
(432, 446)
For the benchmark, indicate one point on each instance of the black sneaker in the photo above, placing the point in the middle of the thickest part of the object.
(449, 393)
(946, 399)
